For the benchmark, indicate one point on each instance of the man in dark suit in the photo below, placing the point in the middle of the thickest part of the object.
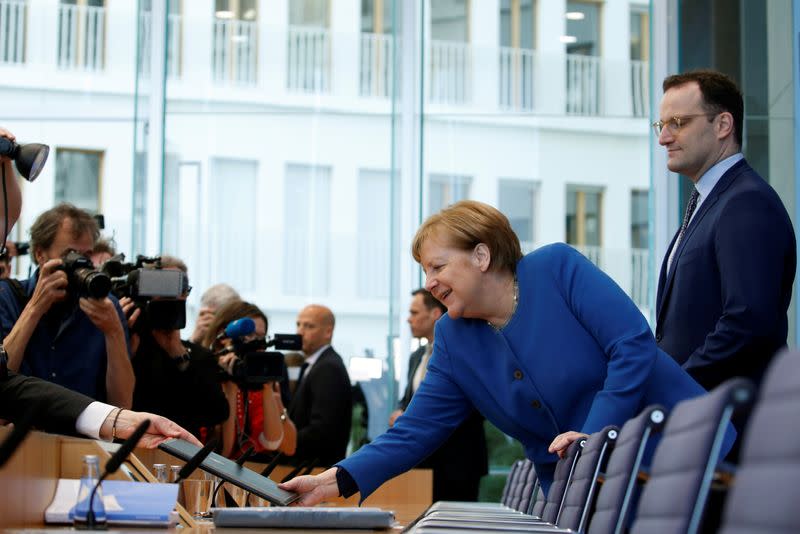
(726, 281)
(322, 405)
(461, 461)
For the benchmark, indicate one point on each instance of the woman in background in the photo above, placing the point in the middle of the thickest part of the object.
(258, 418)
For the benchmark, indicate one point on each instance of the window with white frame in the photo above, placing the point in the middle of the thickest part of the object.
(446, 189)
(306, 230)
(584, 216)
(232, 229)
(374, 225)
(639, 219)
(78, 178)
(517, 60)
(517, 201)
(81, 34)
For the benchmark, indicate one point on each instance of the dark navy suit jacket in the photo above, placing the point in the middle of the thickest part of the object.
(721, 310)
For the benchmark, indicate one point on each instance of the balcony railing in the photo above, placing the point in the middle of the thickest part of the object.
(376, 73)
(628, 268)
(309, 61)
(640, 88)
(450, 73)
(81, 37)
(12, 31)
(516, 79)
(174, 29)
(234, 52)
(584, 85)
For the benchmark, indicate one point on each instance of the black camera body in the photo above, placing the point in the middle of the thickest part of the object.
(155, 290)
(257, 366)
(84, 279)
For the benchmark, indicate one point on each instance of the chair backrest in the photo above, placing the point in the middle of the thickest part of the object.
(579, 497)
(561, 478)
(617, 493)
(674, 498)
(766, 494)
(510, 480)
(515, 492)
(529, 485)
(538, 501)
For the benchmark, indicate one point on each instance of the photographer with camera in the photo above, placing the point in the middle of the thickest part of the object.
(60, 324)
(258, 417)
(174, 377)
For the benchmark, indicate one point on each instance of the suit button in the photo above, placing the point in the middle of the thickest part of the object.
(536, 404)
(518, 374)
(659, 337)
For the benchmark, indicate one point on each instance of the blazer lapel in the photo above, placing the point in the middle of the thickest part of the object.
(666, 278)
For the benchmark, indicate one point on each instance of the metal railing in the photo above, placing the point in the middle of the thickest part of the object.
(309, 61)
(640, 88)
(628, 268)
(81, 37)
(174, 29)
(12, 31)
(450, 80)
(584, 85)
(516, 78)
(234, 58)
(376, 73)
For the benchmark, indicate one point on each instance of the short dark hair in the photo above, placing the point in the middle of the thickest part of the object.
(720, 93)
(430, 301)
(235, 309)
(45, 227)
(103, 246)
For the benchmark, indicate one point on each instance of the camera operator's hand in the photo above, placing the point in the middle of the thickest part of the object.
(227, 361)
(103, 314)
(8, 135)
(170, 342)
(131, 311)
(50, 288)
(204, 319)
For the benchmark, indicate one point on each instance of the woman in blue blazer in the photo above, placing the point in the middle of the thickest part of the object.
(547, 347)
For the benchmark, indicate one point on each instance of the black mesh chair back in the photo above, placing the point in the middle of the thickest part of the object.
(765, 497)
(618, 490)
(529, 485)
(538, 501)
(510, 480)
(561, 477)
(515, 492)
(674, 498)
(579, 497)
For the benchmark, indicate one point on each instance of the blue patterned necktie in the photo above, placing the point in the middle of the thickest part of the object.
(690, 207)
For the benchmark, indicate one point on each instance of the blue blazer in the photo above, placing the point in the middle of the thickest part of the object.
(576, 355)
(721, 310)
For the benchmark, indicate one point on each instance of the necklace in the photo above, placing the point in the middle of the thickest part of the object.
(513, 310)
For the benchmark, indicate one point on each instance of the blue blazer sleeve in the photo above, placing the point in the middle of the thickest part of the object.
(619, 328)
(436, 409)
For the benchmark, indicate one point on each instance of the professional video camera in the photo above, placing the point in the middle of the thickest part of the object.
(84, 280)
(153, 289)
(256, 366)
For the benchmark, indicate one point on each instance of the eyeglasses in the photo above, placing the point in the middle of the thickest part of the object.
(675, 123)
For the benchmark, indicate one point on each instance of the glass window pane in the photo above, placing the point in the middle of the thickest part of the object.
(446, 190)
(309, 13)
(373, 227)
(78, 178)
(516, 199)
(585, 28)
(449, 20)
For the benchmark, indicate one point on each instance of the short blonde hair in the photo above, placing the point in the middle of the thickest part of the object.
(467, 223)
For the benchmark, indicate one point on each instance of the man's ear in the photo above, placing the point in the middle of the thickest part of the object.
(725, 125)
(482, 256)
(437, 312)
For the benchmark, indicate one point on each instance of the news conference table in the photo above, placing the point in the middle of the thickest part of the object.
(29, 480)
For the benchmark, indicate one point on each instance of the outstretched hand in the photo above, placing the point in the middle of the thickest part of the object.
(313, 489)
(563, 441)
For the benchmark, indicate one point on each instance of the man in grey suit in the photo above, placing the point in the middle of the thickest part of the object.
(460, 463)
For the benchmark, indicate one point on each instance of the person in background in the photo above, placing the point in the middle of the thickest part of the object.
(214, 298)
(53, 407)
(103, 250)
(257, 418)
(174, 377)
(462, 460)
(546, 346)
(322, 406)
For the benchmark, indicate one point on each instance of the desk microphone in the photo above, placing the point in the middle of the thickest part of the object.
(17, 435)
(113, 464)
(196, 460)
(271, 465)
